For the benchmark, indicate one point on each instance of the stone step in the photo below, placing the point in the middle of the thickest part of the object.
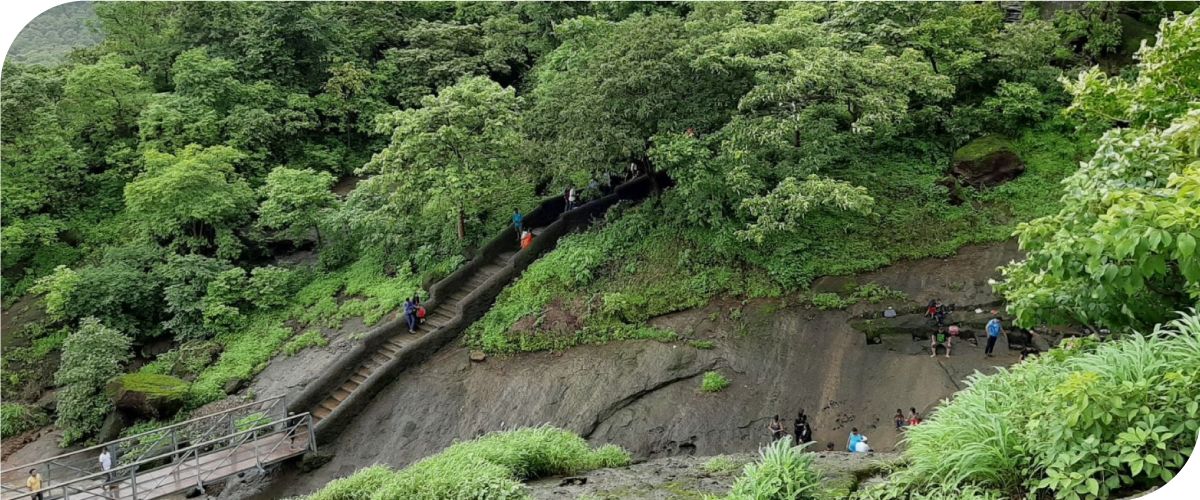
(341, 394)
(319, 413)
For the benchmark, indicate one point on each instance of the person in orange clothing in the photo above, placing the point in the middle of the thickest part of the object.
(526, 239)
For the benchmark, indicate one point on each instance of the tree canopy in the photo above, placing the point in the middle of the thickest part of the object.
(1122, 251)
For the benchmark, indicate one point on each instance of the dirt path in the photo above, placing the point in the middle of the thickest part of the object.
(644, 395)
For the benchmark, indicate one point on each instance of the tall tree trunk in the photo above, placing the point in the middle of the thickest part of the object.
(462, 225)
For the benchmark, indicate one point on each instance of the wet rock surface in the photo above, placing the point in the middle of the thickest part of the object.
(781, 357)
(686, 478)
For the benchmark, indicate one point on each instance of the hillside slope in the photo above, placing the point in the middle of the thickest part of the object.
(53, 34)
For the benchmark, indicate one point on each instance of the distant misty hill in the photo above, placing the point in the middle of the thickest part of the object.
(55, 33)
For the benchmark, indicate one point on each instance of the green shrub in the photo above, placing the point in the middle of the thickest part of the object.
(92, 356)
(305, 340)
(825, 301)
(702, 344)
(245, 353)
(1082, 421)
(489, 467)
(251, 421)
(714, 382)
(17, 418)
(783, 472)
(721, 464)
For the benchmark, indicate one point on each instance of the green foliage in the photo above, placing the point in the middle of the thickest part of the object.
(783, 472)
(16, 418)
(246, 352)
(721, 464)
(123, 290)
(488, 467)
(453, 155)
(981, 147)
(158, 385)
(310, 338)
(702, 344)
(829, 300)
(1122, 250)
(713, 382)
(1082, 421)
(186, 280)
(193, 199)
(91, 356)
(294, 200)
(251, 421)
(53, 34)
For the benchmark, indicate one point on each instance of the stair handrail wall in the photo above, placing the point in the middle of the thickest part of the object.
(342, 369)
(474, 305)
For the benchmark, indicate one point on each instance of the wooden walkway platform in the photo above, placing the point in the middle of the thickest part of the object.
(184, 475)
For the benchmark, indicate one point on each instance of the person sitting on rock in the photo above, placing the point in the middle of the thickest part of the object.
(855, 437)
(931, 309)
(862, 446)
(914, 418)
(939, 339)
(526, 239)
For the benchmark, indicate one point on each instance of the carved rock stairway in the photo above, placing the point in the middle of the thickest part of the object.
(1014, 12)
(434, 319)
(349, 384)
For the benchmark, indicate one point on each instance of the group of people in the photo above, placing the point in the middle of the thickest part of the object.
(524, 235)
(414, 312)
(800, 427)
(35, 483)
(947, 335)
(914, 418)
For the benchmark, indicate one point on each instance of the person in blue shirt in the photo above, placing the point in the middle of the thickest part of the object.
(855, 437)
(410, 315)
(994, 329)
(518, 222)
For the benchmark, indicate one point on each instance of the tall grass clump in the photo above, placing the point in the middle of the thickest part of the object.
(488, 468)
(1082, 421)
(784, 472)
(714, 382)
(17, 418)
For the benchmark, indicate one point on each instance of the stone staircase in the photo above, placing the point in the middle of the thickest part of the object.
(434, 319)
(349, 384)
(1013, 11)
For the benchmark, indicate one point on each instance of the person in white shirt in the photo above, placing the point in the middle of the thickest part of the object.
(105, 462)
(861, 446)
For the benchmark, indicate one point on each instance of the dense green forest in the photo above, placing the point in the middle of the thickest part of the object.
(151, 181)
(51, 36)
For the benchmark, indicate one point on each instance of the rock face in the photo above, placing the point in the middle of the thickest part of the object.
(986, 162)
(147, 396)
(645, 396)
(687, 477)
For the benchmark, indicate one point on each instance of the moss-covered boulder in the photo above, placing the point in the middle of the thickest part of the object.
(986, 162)
(143, 395)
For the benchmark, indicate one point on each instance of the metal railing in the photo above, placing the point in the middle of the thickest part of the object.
(188, 468)
(159, 444)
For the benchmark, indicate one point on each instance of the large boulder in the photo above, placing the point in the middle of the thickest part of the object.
(986, 162)
(143, 395)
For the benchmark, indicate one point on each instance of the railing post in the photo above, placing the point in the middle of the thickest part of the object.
(133, 482)
(199, 477)
(254, 443)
